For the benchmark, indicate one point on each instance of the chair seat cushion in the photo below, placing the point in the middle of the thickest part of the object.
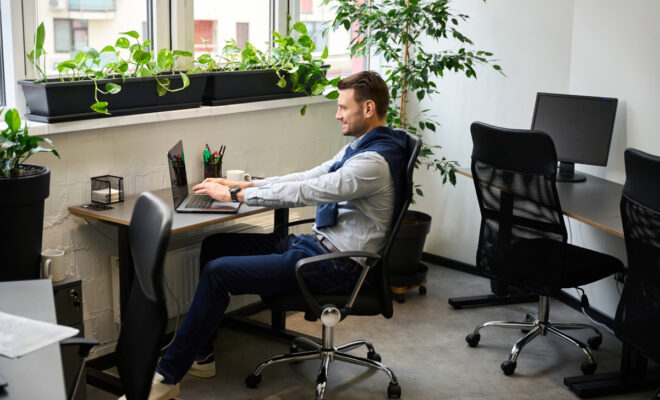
(583, 266)
(546, 265)
(367, 303)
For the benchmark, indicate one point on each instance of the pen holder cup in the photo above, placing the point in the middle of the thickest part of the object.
(107, 189)
(212, 170)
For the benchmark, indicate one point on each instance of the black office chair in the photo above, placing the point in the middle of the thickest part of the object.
(145, 317)
(72, 376)
(522, 240)
(637, 321)
(370, 296)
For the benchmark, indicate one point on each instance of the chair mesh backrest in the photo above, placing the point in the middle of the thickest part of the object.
(380, 277)
(637, 321)
(514, 176)
(144, 318)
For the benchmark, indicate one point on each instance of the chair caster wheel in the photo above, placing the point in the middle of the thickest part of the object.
(587, 368)
(508, 367)
(400, 298)
(472, 339)
(422, 290)
(594, 342)
(252, 381)
(393, 391)
(373, 356)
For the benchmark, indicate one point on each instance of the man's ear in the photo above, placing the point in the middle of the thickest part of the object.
(369, 108)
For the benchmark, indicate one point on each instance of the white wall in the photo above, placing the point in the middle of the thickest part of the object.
(590, 47)
(265, 143)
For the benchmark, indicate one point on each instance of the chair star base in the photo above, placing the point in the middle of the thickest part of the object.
(327, 353)
(539, 324)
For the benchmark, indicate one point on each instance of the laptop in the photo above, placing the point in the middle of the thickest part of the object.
(189, 202)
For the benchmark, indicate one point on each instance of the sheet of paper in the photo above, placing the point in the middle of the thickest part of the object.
(20, 336)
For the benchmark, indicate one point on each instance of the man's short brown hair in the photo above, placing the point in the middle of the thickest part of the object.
(368, 85)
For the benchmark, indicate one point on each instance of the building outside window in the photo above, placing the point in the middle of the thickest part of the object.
(70, 35)
(242, 33)
(205, 36)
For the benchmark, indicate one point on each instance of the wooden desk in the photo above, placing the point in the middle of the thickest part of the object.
(120, 216)
(37, 375)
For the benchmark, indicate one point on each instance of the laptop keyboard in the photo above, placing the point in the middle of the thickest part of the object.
(200, 201)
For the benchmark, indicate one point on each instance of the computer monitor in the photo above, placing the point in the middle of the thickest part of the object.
(580, 126)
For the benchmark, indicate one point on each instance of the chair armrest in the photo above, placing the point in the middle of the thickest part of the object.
(85, 344)
(311, 301)
(302, 221)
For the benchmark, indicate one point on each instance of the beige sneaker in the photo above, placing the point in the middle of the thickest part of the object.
(203, 368)
(160, 390)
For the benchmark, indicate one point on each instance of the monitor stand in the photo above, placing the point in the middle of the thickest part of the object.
(567, 173)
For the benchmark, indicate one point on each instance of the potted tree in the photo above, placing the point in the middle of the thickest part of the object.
(106, 82)
(23, 189)
(393, 30)
(287, 69)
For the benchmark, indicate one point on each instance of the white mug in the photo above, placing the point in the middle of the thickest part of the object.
(52, 265)
(238, 175)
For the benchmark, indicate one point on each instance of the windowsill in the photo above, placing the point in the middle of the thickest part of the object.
(44, 129)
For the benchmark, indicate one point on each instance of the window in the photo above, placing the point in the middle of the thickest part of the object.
(245, 20)
(70, 35)
(88, 5)
(86, 23)
(315, 16)
(2, 69)
(242, 33)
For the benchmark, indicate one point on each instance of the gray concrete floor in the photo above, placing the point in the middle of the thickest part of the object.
(423, 343)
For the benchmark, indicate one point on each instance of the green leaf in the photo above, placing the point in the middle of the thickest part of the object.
(281, 83)
(122, 43)
(13, 119)
(64, 65)
(420, 95)
(318, 88)
(112, 88)
(161, 90)
(182, 53)
(303, 110)
(90, 52)
(108, 49)
(132, 34)
(332, 95)
(300, 27)
(100, 107)
(324, 55)
(41, 37)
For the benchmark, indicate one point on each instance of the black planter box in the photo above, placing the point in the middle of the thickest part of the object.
(57, 101)
(231, 87)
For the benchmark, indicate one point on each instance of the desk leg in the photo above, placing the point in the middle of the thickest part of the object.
(281, 219)
(633, 377)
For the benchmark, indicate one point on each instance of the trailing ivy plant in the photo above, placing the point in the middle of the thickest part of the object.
(16, 145)
(395, 30)
(90, 64)
(289, 55)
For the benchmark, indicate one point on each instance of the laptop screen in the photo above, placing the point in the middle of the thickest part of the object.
(178, 178)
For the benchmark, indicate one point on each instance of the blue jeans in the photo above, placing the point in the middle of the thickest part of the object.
(247, 264)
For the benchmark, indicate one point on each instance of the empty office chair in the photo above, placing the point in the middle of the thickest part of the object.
(72, 381)
(370, 296)
(144, 319)
(522, 240)
(637, 321)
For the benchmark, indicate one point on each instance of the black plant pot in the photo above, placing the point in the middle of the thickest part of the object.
(21, 223)
(231, 87)
(406, 253)
(56, 101)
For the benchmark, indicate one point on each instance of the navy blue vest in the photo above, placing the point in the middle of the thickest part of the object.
(388, 143)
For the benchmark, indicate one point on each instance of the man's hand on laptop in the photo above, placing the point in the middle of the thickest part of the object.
(228, 183)
(216, 190)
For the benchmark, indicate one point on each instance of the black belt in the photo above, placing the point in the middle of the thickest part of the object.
(325, 242)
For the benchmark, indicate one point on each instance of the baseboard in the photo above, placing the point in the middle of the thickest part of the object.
(563, 297)
(450, 263)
